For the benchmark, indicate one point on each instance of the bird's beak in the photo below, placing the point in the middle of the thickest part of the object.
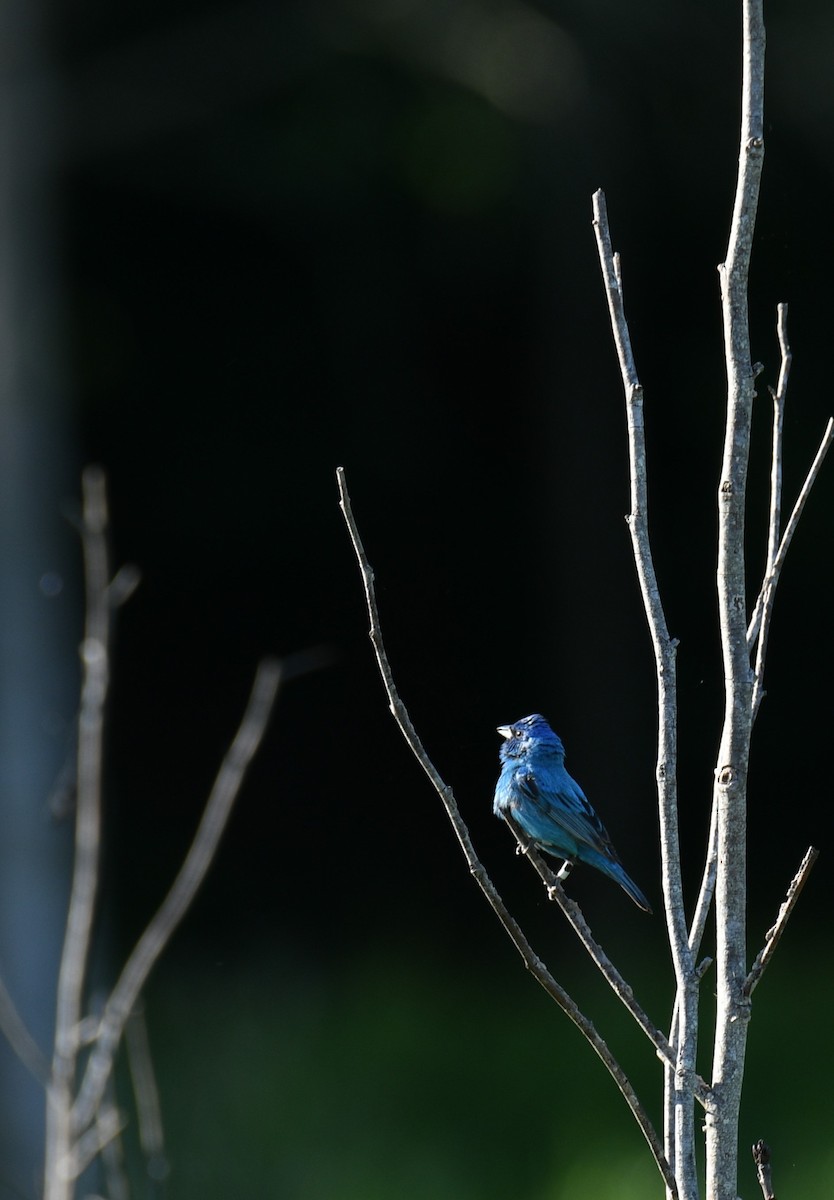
(505, 731)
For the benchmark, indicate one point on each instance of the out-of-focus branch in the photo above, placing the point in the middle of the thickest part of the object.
(191, 875)
(146, 1093)
(82, 1120)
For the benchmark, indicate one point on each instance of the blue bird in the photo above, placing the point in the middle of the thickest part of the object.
(535, 790)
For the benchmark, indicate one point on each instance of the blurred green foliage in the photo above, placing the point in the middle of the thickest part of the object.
(411, 1077)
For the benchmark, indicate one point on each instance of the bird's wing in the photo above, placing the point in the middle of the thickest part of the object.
(566, 806)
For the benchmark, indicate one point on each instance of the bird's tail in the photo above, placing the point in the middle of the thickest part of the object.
(631, 889)
(614, 869)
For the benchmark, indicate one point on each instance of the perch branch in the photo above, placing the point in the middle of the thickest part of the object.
(531, 960)
(775, 932)
(622, 990)
(191, 875)
(682, 1138)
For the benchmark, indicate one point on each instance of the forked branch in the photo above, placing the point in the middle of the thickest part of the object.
(81, 1118)
(193, 871)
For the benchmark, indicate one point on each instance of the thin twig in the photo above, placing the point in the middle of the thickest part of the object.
(775, 932)
(146, 1093)
(191, 875)
(762, 1159)
(681, 1140)
(664, 646)
(707, 888)
(476, 869)
(779, 398)
(775, 513)
(763, 611)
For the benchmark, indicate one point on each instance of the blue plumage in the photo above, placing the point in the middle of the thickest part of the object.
(536, 791)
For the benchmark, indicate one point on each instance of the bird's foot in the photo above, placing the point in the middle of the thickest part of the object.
(564, 870)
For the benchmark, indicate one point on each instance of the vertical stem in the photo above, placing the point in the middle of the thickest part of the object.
(730, 794)
(679, 1084)
(59, 1167)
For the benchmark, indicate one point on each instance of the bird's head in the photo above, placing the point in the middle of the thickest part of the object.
(530, 733)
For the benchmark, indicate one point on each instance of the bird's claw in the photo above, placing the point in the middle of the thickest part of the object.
(564, 870)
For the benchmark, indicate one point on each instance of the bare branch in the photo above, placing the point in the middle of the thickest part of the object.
(76, 946)
(476, 869)
(683, 1078)
(762, 1159)
(191, 875)
(775, 932)
(763, 611)
(664, 646)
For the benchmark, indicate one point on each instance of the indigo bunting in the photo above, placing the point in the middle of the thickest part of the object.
(535, 790)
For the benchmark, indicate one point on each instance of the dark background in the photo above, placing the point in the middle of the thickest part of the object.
(288, 237)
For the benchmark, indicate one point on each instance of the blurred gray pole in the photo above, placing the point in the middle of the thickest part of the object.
(38, 629)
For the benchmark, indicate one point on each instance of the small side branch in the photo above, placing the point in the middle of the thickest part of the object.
(476, 869)
(775, 932)
(778, 544)
(760, 621)
(191, 875)
(761, 1157)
